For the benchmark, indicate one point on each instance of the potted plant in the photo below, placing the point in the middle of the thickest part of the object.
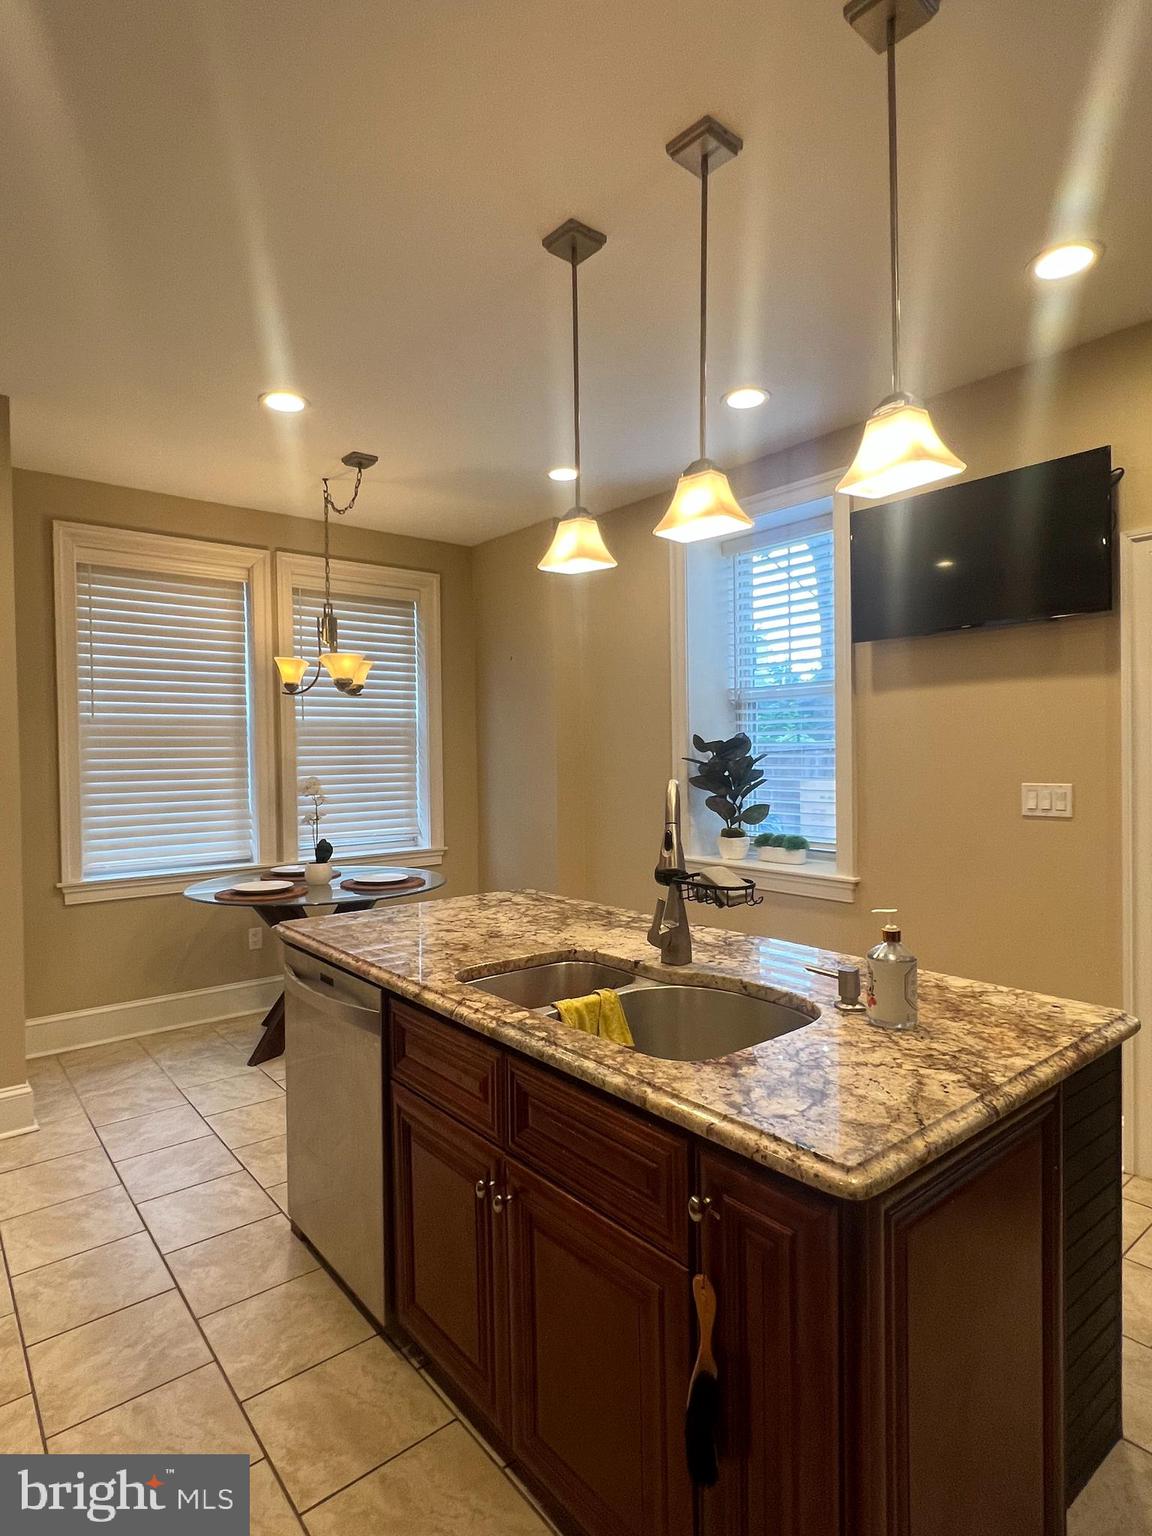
(320, 871)
(794, 849)
(729, 776)
(768, 847)
(782, 848)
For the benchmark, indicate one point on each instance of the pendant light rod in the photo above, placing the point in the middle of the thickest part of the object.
(894, 202)
(704, 158)
(576, 369)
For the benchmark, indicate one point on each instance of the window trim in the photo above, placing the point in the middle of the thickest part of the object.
(358, 578)
(822, 878)
(132, 549)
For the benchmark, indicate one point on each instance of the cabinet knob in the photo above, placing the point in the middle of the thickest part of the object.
(499, 1202)
(700, 1206)
(482, 1187)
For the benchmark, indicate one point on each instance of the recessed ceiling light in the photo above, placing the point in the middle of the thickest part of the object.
(286, 401)
(562, 472)
(945, 565)
(746, 398)
(1066, 260)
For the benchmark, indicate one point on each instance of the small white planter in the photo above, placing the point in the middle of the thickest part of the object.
(318, 874)
(733, 849)
(783, 855)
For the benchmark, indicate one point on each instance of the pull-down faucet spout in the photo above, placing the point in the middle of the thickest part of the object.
(669, 932)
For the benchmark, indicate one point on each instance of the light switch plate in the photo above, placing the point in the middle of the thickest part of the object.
(1046, 800)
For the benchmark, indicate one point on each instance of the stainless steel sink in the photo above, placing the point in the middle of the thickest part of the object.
(538, 986)
(702, 1023)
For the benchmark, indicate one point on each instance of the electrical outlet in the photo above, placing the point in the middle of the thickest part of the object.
(255, 938)
(1047, 800)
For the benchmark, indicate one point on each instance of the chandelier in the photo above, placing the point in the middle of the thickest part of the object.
(347, 669)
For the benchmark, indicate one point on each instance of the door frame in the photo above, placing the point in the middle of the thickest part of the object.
(1136, 837)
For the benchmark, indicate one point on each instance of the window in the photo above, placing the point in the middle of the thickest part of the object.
(763, 637)
(162, 730)
(376, 755)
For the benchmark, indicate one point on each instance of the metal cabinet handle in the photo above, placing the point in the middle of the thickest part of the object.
(499, 1202)
(700, 1206)
(482, 1188)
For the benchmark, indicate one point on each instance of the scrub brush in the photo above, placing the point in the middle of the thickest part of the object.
(703, 1410)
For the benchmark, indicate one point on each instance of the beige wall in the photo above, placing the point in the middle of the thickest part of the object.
(947, 727)
(87, 956)
(11, 871)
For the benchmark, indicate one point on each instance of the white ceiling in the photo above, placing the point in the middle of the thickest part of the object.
(203, 199)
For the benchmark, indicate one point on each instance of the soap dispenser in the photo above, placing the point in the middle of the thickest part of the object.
(891, 991)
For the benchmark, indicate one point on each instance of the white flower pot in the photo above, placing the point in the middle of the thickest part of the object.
(770, 855)
(318, 874)
(733, 849)
(792, 855)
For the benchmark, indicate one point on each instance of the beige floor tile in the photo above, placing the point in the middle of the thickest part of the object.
(1137, 1220)
(151, 1133)
(1141, 1250)
(89, 1285)
(1139, 1189)
(82, 1373)
(1118, 1500)
(275, 1069)
(172, 1168)
(44, 1071)
(105, 1066)
(20, 1428)
(174, 1042)
(254, 1122)
(270, 1337)
(61, 1230)
(141, 1096)
(1138, 1394)
(60, 1139)
(271, 1514)
(1137, 1302)
(7, 1305)
(191, 1215)
(445, 1486)
(236, 1265)
(249, 1087)
(266, 1161)
(339, 1420)
(244, 1033)
(56, 1101)
(84, 1057)
(196, 1414)
(279, 1193)
(454, 1412)
(13, 1376)
(64, 1178)
(201, 1060)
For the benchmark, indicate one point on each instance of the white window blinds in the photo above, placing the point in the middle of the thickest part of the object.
(367, 750)
(162, 667)
(783, 673)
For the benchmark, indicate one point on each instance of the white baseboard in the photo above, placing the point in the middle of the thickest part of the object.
(17, 1110)
(148, 1015)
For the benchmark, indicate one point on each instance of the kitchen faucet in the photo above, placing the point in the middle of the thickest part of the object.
(669, 932)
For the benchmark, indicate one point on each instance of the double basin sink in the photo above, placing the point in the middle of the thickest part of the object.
(679, 1023)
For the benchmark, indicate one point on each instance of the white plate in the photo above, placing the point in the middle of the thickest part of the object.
(287, 869)
(261, 887)
(396, 877)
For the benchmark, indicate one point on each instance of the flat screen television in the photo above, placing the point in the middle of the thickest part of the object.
(1036, 543)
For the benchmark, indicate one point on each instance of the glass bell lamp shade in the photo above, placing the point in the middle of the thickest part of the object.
(577, 546)
(342, 666)
(703, 507)
(361, 673)
(900, 451)
(291, 669)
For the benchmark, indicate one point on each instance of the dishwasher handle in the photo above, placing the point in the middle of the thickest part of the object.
(330, 1004)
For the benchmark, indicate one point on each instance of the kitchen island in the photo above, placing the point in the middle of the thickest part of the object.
(914, 1238)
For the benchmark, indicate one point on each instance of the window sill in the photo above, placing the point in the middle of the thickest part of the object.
(78, 893)
(819, 878)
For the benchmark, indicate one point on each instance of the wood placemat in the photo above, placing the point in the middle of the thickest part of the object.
(413, 883)
(273, 898)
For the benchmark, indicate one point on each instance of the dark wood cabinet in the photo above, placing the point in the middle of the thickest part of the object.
(771, 1252)
(601, 1357)
(450, 1290)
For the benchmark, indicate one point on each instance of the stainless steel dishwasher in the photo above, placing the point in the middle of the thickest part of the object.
(334, 1078)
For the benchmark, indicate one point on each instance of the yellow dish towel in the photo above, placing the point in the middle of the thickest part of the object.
(600, 1013)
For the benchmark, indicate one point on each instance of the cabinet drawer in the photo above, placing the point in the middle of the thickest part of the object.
(457, 1071)
(624, 1166)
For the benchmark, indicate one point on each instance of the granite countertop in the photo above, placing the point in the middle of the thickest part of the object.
(839, 1105)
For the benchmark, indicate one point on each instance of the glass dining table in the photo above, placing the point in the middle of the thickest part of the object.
(315, 899)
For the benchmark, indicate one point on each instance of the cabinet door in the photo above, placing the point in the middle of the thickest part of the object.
(770, 1250)
(601, 1339)
(449, 1281)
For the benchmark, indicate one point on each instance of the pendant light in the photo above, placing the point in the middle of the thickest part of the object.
(901, 449)
(703, 506)
(347, 669)
(577, 545)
